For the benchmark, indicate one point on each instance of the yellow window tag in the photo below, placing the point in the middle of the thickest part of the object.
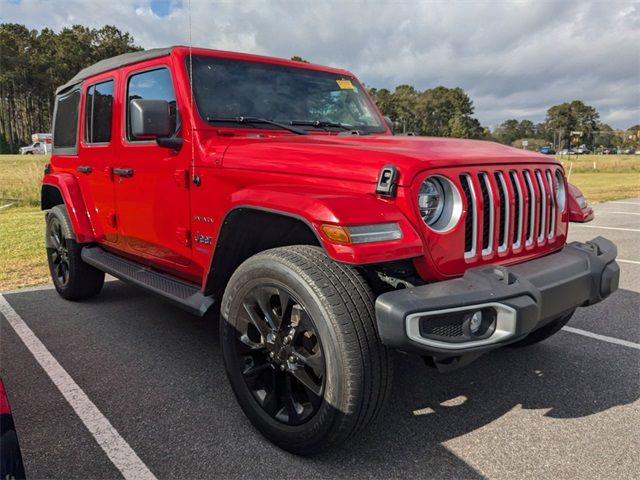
(345, 84)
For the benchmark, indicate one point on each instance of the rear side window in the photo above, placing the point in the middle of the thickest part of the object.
(152, 85)
(65, 127)
(97, 113)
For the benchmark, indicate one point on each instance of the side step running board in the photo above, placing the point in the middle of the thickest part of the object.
(182, 294)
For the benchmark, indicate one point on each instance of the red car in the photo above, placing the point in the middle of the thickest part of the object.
(11, 465)
(274, 191)
(579, 210)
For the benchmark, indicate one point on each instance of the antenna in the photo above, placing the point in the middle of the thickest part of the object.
(194, 178)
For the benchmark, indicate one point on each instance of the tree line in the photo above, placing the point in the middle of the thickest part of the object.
(34, 63)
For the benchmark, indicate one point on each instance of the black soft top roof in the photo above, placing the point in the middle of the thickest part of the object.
(114, 62)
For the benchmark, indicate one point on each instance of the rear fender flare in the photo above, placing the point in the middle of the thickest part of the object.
(69, 191)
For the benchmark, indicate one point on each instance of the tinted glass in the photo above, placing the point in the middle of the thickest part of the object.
(152, 85)
(98, 109)
(66, 121)
(225, 88)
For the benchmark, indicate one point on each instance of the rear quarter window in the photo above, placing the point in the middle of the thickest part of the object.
(65, 123)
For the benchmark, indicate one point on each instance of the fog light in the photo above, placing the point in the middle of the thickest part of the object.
(476, 322)
(481, 323)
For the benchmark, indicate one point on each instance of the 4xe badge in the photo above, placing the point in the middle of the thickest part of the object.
(204, 239)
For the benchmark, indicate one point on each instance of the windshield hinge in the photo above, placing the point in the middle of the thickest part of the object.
(387, 181)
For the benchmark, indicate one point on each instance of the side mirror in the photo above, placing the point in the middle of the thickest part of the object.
(149, 118)
(389, 122)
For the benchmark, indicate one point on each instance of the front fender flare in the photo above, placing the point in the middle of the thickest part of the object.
(317, 207)
(69, 190)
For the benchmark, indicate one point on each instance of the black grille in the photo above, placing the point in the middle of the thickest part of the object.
(486, 202)
(523, 198)
(468, 222)
(448, 327)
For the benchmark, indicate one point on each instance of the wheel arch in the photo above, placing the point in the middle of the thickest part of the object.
(247, 230)
(63, 189)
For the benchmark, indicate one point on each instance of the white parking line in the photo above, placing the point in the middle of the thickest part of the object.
(116, 447)
(632, 262)
(606, 228)
(604, 338)
(619, 213)
(624, 203)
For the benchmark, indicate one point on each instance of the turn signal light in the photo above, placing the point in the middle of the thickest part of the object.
(336, 233)
(377, 232)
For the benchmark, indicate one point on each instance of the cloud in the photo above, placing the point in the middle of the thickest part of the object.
(514, 59)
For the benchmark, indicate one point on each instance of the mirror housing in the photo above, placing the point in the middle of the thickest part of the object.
(389, 122)
(149, 118)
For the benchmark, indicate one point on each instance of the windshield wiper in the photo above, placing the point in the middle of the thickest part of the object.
(256, 120)
(325, 124)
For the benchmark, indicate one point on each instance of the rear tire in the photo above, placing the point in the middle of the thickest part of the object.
(72, 277)
(301, 348)
(545, 332)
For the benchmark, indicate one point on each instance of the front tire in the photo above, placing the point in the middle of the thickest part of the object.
(301, 348)
(72, 277)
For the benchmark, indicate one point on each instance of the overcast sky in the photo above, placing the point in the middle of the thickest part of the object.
(514, 59)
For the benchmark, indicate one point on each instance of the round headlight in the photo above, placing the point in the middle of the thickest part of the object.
(439, 203)
(431, 200)
(561, 193)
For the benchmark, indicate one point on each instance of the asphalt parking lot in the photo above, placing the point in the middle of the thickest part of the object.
(566, 408)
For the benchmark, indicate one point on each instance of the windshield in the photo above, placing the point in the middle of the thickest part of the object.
(226, 88)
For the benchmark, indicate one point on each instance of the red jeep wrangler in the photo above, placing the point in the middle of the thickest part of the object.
(276, 192)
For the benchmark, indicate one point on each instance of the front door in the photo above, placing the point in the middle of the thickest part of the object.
(152, 188)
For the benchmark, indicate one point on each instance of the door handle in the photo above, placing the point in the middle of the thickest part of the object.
(84, 169)
(123, 172)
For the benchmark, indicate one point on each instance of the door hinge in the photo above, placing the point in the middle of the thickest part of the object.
(181, 176)
(182, 235)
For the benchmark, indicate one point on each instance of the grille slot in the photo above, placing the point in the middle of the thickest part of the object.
(531, 214)
(503, 233)
(471, 220)
(552, 206)
(518, 208)
(487, 213)
(542, 207)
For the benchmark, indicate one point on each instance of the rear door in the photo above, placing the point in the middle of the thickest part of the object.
(96, 153)
(151, 181)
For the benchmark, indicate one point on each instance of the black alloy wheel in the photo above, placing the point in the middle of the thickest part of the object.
(281, 354)
(73, 279)
(59, 252)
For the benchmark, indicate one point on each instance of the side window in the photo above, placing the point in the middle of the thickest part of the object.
(97, 113)
(152, 85)
(65, 129)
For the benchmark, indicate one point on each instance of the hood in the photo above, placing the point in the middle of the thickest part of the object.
(360, 157)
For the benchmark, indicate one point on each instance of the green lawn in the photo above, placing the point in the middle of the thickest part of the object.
(20, 178)
(607, 186)
(22, 252)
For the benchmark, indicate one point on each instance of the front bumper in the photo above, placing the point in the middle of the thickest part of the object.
(521, 298)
